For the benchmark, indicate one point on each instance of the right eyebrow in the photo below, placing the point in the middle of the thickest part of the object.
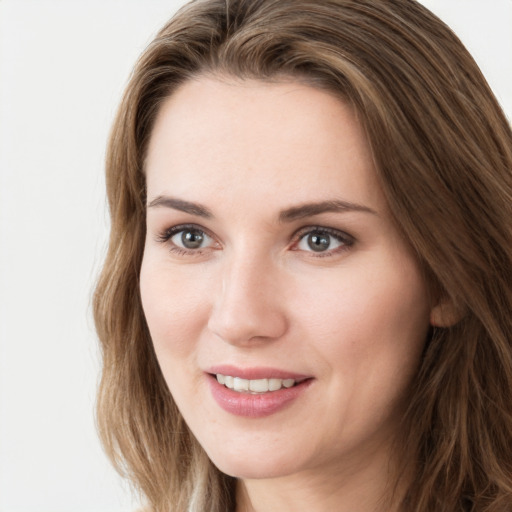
(181, 205)
(312, 209)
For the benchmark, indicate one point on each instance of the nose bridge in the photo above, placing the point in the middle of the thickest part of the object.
(247, 305)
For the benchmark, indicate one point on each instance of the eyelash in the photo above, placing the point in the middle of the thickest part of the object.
(346, 240)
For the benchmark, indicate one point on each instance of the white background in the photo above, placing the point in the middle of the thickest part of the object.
(63, 65)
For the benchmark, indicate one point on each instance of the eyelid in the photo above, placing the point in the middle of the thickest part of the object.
(167, 233)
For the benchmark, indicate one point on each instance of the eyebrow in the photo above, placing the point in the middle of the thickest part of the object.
(181, 205)
(287, 215)
(310, 209)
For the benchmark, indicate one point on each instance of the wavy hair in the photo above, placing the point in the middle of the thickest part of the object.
(443, 152)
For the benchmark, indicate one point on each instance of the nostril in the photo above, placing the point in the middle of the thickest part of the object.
(248, 325)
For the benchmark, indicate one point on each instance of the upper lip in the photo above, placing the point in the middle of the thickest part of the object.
(254, 373)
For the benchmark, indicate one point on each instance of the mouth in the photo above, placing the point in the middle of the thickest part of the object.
(255, 386)
(256, 392)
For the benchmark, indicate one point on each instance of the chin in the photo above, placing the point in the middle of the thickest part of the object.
(253, 468)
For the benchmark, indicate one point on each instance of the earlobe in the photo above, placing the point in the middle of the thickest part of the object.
(445, 314)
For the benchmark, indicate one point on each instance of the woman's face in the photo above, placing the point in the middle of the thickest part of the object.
(272, 264)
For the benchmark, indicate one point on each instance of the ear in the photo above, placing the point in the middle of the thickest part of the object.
(445, 313)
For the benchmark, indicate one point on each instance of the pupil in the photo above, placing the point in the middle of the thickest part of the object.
(318, 242)
(192, 239)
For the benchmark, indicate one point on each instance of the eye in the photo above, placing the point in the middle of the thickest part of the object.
(323, 240)
(186, 239)
(191, 238)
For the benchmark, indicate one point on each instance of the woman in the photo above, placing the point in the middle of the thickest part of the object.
(306, 299)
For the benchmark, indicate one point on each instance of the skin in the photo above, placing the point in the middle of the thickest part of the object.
(354, 317)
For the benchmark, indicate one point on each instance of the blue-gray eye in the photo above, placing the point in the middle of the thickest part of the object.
(191, 238)
(319, 241)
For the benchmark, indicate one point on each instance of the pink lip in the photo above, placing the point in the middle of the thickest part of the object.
(255, 405)
(255, 373)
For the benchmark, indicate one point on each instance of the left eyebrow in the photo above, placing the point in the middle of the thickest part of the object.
(310, 209)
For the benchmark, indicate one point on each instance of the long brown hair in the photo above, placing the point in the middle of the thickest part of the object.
(443, 150)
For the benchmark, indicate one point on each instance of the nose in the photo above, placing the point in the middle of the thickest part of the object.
(247, 308)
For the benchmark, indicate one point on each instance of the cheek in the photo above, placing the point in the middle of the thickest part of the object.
(370, 323)
(175, 307)
(370, 299)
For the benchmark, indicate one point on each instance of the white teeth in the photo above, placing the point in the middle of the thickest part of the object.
(274, 384)
(240, 384)
(259, 386)
(254, 386)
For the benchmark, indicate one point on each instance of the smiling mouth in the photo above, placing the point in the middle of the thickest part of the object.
(255, 386)
(267, 392)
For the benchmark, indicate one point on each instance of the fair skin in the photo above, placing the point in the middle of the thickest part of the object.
(238, 277)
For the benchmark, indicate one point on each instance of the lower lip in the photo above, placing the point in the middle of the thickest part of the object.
(255, 405)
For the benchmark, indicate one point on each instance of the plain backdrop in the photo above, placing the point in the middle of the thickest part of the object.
(63, 65)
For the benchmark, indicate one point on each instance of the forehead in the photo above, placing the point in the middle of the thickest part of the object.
(217, 136)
